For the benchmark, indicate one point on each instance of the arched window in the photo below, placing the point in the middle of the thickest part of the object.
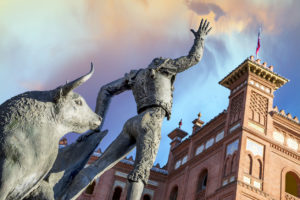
(233, 163)
(248, 161)
(117, 193)
(292, 184)
(90, 188)
(227, 167)
(174, 193)
(202, 181)
(257, 169)
(146, 197)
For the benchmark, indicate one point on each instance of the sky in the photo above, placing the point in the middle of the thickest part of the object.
(45, 43)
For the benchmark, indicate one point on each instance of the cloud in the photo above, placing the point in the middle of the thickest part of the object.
(202, 8)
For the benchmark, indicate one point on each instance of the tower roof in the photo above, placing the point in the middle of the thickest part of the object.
(177, 133)
(252, 66)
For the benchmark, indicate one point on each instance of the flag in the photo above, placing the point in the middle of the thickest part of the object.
(258, 42)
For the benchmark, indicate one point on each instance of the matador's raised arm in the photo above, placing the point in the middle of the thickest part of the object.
(196, 51)
(107, 92)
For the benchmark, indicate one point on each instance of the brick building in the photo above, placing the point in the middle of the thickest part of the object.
(249, 151)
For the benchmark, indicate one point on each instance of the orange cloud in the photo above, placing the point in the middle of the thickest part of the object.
(239, 15)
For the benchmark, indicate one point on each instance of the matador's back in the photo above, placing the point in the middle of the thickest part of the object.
(153, 86)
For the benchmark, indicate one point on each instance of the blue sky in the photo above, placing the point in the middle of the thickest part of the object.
(43, 44)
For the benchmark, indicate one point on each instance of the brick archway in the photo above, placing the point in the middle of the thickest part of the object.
(174, 193)
(296, 175)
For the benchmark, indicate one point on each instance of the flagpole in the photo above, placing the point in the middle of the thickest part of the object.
(258, 42)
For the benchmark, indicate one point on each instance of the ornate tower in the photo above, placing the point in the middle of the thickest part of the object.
(252, 86)
(251, 158)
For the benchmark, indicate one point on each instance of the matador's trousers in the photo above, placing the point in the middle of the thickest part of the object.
(143, 132)
(145, 128)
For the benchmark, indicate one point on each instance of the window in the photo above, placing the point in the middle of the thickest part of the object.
(257, 169)
(209, 143)
(227, 167)
(178, 163)
(249, 165)
(234, 163)
(202, 181)
(184, 159)
(220, 136)
(292, 184)
(232, 147)
(90, 188)
(117, 193)
(174, 193)
(260, 169)
(199, 149)
(146, 197)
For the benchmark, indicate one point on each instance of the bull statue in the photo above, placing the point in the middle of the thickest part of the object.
(31, 125)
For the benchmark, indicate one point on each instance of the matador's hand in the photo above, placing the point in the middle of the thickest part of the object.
(203, 30)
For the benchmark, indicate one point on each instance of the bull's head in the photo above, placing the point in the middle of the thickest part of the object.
(71, 109)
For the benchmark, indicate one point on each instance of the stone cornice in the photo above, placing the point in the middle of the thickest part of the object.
(285, 151)
(249, 66)
(255, 190)
(285, 121)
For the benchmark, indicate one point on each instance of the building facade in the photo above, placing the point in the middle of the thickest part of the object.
(249, 151)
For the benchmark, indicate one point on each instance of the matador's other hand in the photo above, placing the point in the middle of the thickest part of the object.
(87, 134)
(203, 30)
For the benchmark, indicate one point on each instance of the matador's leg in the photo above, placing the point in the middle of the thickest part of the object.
(148, 139)
(116, 151)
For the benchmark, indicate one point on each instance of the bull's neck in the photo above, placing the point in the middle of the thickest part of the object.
(47, 126)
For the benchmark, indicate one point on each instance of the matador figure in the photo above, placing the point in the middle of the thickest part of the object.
(152, 88)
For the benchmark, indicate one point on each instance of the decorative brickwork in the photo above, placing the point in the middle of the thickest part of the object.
(288, 196)
(258, 107)
(236, 107)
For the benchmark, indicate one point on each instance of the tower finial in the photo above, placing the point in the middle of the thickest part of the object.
(199, 115)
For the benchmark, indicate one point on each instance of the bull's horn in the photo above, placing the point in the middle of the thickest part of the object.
(70, 86)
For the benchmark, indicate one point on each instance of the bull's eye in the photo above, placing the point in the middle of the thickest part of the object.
(78, 102)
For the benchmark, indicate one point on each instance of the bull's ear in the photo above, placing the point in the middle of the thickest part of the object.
(58, 94)
(70, 86)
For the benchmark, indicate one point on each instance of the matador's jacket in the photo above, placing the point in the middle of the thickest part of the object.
(151, 86)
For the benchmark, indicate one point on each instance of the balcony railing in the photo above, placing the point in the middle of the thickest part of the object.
(288, 196)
